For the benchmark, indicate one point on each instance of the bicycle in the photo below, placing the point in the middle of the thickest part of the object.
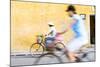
(39, 47)
(47, 54)
(51, 58)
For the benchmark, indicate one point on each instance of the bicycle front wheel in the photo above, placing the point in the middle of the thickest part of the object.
(48, 58)
(36, 49)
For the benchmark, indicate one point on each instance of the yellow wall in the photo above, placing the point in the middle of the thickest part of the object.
(29, 19)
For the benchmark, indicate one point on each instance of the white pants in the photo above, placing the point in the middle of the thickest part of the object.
(76, 43)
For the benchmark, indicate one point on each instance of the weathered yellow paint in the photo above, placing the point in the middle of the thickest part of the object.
(29, 19)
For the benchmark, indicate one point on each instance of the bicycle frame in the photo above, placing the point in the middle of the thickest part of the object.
(40, 39)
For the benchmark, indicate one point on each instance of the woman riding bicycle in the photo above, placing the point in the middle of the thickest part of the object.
(80, 35)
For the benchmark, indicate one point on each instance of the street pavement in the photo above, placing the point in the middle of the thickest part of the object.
(25, 59)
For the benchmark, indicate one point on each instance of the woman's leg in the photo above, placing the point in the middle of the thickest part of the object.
(73, 46)
(70, 55)
(73, 57)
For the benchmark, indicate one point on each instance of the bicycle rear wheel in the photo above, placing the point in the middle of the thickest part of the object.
(48, 58)
(59, 45)
(36, 49)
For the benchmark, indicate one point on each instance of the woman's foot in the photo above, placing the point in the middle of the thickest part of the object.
(77, 59)
(73, 57)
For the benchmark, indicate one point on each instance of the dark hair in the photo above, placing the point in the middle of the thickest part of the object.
(51, 25)
(71, 8)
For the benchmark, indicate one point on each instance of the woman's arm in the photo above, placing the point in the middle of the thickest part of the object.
(63, 32)
(68, 27)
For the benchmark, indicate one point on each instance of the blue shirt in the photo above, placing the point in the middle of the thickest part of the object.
(78, 27)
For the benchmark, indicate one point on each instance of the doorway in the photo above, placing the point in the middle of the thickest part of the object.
(92, 29)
